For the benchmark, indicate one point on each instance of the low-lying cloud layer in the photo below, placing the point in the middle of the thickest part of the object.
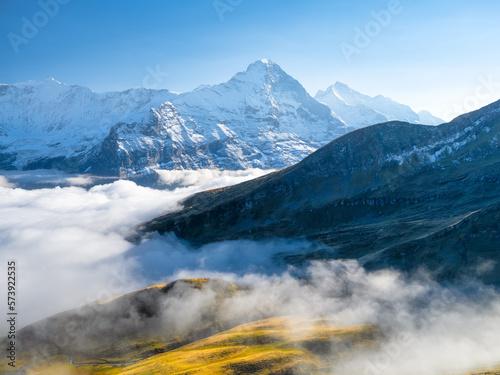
(208, 178)
(70, 242)
(70, 247)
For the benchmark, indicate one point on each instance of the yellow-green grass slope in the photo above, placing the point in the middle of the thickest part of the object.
(281, 345)
(277, 345)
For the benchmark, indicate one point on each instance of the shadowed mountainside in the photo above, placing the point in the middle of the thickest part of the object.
(390, 194)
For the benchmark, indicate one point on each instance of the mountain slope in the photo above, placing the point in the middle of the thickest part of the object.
(260, 118)
(132, 326)
(44, 120)
(179, 327)
(373, 194)
(183, 327)
(358, 110)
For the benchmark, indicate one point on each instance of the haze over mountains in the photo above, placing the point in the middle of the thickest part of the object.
(261, 118)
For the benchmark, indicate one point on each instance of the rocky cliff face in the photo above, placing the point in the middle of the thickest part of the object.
(260, 118)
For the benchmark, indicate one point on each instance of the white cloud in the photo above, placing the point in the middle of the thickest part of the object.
(5, 183)
(70, 241)
(426, 328)
(208, 178)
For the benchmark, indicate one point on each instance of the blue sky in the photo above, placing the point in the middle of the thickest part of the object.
(439, 55)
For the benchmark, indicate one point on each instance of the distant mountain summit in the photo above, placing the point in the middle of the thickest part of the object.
(261, 118)
(427, 118)
(358, 110)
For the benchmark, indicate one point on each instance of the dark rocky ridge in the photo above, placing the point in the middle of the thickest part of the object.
(390, 194)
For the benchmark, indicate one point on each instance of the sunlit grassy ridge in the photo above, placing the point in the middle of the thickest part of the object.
(123, 329)
(148, 344)
(282, 345)
(487, 372)
(270, 346)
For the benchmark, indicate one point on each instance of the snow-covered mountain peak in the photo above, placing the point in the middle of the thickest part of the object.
(348, 95)
(47, 82)
(263, 96)
(29, 94)
(358, 110)
(427, 118)
(260, 118)
(263, 89)
(263, 63)
(261, 72)
(202, 87)
(340, 86)
(51, 80)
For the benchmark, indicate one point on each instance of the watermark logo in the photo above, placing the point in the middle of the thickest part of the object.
(364, 36)
(224, 6)
(31, 27)
(486, 91)
(12, 311)
(154, 77)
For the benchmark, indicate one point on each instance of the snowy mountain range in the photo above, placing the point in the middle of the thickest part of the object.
(260, 118)
(358, 110)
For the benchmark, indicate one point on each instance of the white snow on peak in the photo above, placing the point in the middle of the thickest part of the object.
(262, 117)
(47, 118)
(49, 79)
(260, 72)
(263, 111)
(359, 110)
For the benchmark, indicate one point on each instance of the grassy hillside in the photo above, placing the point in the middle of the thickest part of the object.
(282, 345)
(117, 339)
(487, 372)
(125, 329)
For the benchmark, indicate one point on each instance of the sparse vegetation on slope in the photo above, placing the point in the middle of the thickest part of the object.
(281, 345)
